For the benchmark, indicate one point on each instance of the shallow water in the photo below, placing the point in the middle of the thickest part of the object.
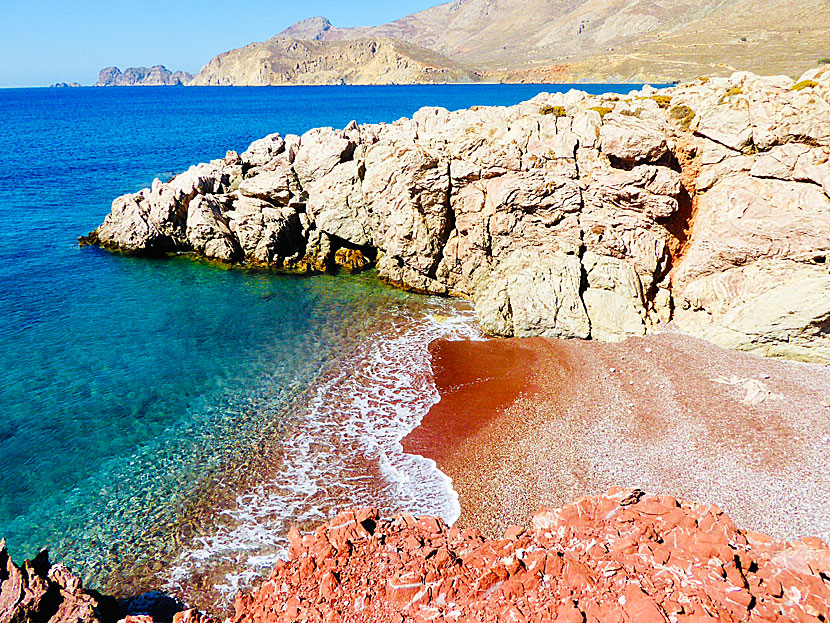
(141, 397)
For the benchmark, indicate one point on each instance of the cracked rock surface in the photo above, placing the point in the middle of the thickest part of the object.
(625, 556)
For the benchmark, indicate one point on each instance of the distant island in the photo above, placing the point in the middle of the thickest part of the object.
(63, 85)
(158, 75)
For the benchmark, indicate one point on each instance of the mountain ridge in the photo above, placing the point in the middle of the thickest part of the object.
(574, 40)
(157, 75)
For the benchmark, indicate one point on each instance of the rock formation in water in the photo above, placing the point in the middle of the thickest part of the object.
(157, 75)
(63, 85)
(621, 557)
(570, 215)
(364, 61)
(40, 592)
(543, 41)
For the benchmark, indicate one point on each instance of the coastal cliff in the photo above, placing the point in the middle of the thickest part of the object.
(157, 75)
(705, 205)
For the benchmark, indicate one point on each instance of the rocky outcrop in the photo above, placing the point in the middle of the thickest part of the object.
(625, 556)
(157, 75)
(40, 592)
(568, 215)
(282, 60)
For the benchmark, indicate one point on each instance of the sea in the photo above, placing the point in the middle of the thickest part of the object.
(164, 422)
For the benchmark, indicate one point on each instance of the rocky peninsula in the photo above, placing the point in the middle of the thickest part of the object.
(704, 207)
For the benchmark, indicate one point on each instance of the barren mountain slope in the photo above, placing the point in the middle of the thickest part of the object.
(285, 61)
(493, 32)
(542, 40)
(761, 36)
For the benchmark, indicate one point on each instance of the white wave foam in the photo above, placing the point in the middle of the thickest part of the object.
(345, 451)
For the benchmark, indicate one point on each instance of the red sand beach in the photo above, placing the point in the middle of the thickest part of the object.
(524, 423)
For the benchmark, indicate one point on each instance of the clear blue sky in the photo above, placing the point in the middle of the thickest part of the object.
(42, 42)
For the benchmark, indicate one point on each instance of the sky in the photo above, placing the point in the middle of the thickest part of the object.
(43, 42)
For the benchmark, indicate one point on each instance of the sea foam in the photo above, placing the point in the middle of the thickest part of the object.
(344, 451)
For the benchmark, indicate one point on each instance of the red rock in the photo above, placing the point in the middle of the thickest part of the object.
(569, 614)
(425, 571)
(29, 592)
(189, 616)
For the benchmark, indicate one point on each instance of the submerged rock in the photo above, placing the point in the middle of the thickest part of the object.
(624, 556)
(569, 215)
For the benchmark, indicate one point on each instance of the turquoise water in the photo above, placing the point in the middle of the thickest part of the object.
(128, 383)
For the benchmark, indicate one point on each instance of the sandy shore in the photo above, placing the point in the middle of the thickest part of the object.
(524, 423)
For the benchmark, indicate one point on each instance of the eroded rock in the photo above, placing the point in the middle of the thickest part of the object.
(39, 592)
(567, 215)
(624, 556)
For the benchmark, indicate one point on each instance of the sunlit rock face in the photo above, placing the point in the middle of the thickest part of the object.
(706, 205)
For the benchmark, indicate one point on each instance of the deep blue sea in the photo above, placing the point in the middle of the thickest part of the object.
(129, 384)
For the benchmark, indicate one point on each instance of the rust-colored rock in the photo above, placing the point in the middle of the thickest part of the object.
(624, 556)
(39, 592)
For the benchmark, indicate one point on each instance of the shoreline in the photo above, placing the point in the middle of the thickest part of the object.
(524, 423)
(342, 450)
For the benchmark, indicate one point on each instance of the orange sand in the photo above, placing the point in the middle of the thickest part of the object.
(528, 422)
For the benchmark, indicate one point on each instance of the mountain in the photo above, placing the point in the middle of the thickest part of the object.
(555, 40)
(283, 60)
(157, 75)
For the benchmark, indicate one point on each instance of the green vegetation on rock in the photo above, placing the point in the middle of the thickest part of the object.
(556, 111)
(663, 101)
(602, 110)
(684, 114)
(805, 84)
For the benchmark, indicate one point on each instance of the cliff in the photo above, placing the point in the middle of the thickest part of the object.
(158, 75)
(586, 40)
(362, 61)
(705, 207)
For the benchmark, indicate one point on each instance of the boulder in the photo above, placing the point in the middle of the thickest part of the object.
(532, 294)
(630, 139)
(207, 229)
(272, 186)
(263, 151)
(320, 150)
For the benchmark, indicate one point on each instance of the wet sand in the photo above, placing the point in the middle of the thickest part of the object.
(524, 423)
